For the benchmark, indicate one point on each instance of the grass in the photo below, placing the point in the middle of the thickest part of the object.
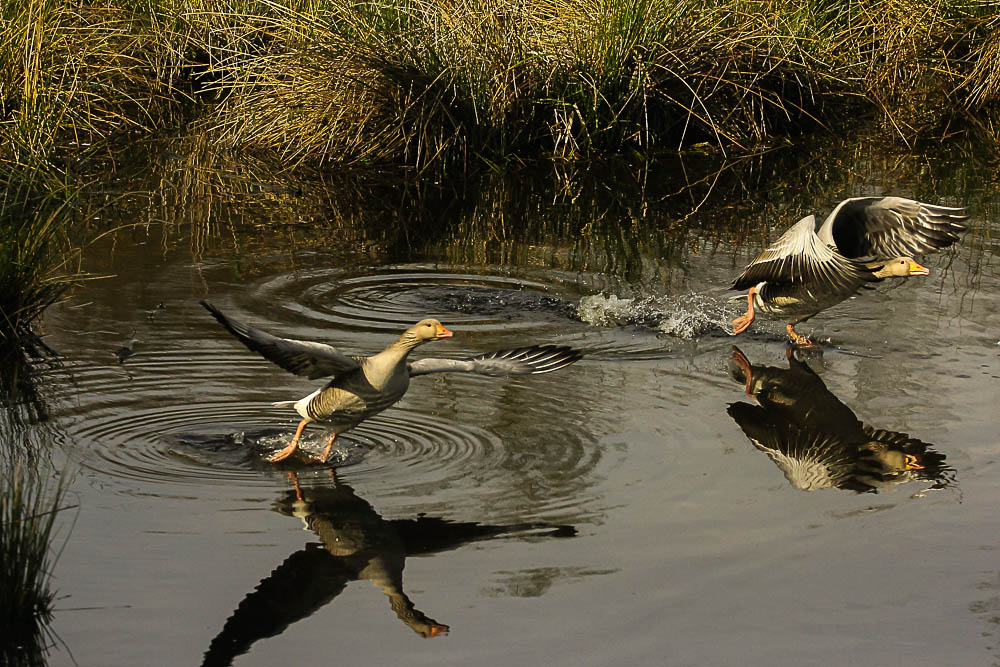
(37, 266)
(36, 259)
(28, 510)
(452, 82)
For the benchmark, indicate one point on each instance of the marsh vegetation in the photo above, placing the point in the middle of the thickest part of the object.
(420, 82)
(539, 151)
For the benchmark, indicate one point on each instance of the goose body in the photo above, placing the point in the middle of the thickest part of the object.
(865, 239)
(360, 387)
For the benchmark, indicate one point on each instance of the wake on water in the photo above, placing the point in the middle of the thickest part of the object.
(686, 316)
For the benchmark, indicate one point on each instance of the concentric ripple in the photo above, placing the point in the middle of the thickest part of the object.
(395, 298)
(189, 414)
(227, 443)
(173, 424)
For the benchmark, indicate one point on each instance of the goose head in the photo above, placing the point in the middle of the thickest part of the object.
(425, 331)
(901, 267)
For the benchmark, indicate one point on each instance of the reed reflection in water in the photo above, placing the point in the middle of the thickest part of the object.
(817, 441)
(356, 543)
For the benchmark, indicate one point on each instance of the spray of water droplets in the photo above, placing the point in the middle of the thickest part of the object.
(686, 316)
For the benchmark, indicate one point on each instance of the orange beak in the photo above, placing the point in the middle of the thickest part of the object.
(437, 629)
(913, 462)
(917, 270)
(442, 332)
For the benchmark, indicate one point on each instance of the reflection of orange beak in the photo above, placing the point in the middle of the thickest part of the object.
(442, 332)
(438, 630)
(917, 270)
(913, 462)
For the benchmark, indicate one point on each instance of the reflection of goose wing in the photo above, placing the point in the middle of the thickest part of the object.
(426, 535)
(301, 357)
(887, 227)
(304, 582)
(533, 359)
(809, 460)
(798, 257)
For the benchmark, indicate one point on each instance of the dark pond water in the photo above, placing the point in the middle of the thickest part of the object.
(638, 507)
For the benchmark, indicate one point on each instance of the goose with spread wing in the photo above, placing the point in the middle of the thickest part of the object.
(865, 239)
(360, 387)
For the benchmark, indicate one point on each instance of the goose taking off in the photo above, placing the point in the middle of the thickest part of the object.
(864, 239)
(360, 387)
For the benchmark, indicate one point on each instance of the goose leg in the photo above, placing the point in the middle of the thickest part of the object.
(798, 339)
(741, 360)
(294, 479)
(329, 446)
(741, 323)
(292, 446)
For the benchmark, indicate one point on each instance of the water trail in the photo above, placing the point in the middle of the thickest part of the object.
(686, 316)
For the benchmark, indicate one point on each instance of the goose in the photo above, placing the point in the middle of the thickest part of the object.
(816, 440)
(865, 239)
(364, 386)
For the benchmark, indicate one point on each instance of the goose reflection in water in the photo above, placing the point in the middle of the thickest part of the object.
(816, 440)
(355, 543)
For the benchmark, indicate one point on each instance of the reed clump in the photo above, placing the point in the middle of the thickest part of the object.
(36, 256)
(422, 82)
(29, 506)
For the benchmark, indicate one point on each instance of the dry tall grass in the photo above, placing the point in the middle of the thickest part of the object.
(423, 82)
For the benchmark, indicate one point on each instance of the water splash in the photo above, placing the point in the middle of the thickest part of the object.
(686, 316)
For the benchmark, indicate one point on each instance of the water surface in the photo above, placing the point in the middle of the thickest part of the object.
(615, 512)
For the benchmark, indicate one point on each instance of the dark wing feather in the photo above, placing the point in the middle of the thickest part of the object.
(888, 227)
(314, 360)
(800, 258)
(533, 359)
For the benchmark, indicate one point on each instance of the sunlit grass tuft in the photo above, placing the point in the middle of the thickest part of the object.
(452, 82)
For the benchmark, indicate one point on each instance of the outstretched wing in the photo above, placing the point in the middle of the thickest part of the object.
(301, 357)
(887, 227)
(800, 257)
(533, 359)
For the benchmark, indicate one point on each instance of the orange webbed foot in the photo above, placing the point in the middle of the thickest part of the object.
(798, 340)
(291, 447)
(283, 454)
(742, 323)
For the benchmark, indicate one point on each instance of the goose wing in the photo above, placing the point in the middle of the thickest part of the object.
(887, 227)
(533, 359)
(799, 257)
(301, 357)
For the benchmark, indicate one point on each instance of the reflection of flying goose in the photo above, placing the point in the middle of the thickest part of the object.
(363, 386)
(816, 440)
(356, 543)
(863, 240)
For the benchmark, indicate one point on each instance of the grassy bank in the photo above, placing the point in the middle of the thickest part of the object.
(422, 82)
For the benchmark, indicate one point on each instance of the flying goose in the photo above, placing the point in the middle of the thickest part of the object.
(864, 239)
(360, 387)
